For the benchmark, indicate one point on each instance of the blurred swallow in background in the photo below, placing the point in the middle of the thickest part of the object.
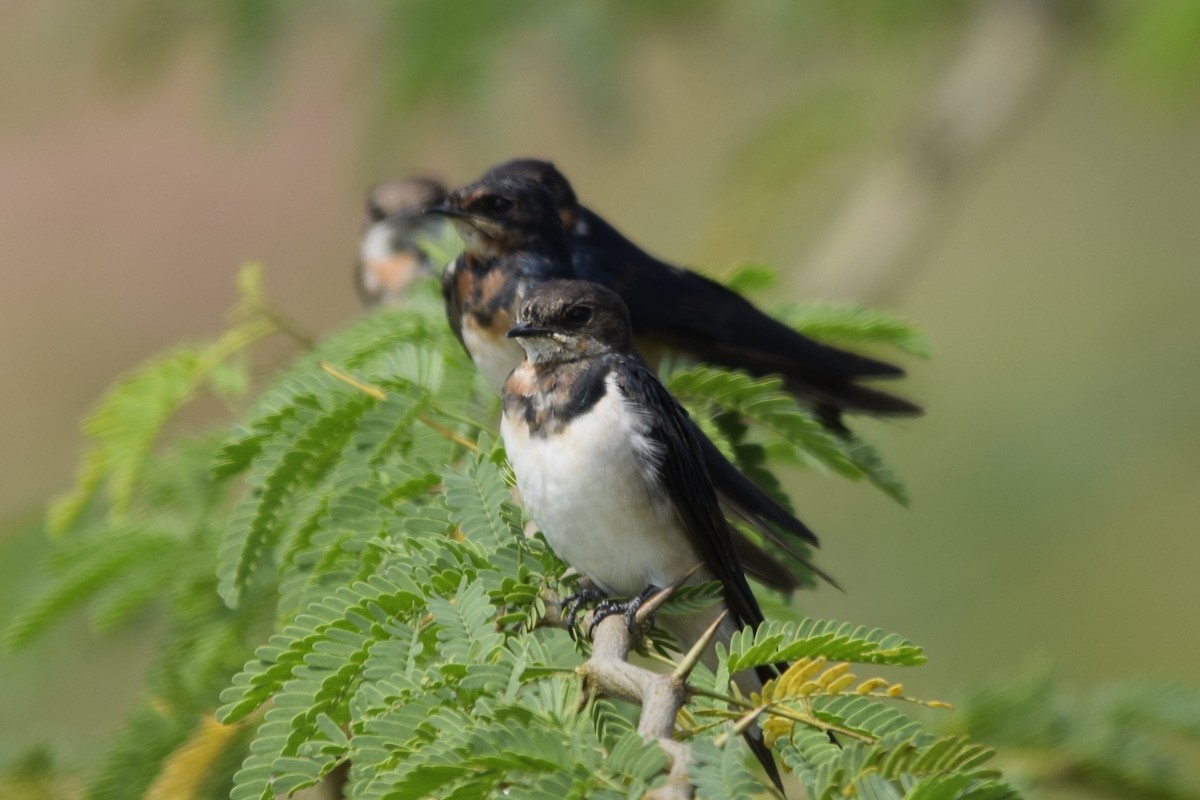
(674, 307)
(613, 471)
(392, 250)
(514, 242)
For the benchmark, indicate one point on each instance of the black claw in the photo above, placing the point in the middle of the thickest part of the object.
(602, 610)
(587, 592)
(631, 616)
(627, 609)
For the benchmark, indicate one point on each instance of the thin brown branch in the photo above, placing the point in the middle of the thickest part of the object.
(379, 394)
(287, 327)
(608, 672)
(661, 696)
(1007, 54)
(693, 656)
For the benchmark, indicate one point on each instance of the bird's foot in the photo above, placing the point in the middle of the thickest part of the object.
(585, 592)
(628, 609)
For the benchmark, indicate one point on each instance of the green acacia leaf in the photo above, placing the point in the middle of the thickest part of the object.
(848, 324)
(773, 642)
(317, 436)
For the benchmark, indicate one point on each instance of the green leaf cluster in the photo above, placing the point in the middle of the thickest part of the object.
(1127, 738)
(416, 52)
(349, 591)
(755, 421)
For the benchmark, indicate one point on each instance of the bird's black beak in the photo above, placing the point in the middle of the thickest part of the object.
(446, 210)
(525, 329)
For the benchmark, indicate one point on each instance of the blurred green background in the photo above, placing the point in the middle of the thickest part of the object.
(1020, 179)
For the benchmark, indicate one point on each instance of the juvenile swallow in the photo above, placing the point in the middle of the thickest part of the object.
(391, 254)
(685, 311)
(613, 469)
(514, 242)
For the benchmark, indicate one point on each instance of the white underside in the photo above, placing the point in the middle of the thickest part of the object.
(590, 490)
(376, 243)
(495, 358)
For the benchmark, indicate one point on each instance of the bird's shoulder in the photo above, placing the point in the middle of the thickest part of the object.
(480, 287)
(605, 255)
(643, 390)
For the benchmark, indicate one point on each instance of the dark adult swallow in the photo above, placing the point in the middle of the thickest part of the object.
(685, 311)
(514, 242)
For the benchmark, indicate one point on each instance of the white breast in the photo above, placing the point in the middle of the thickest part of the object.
(495, 357)
(376, 243)
(590, 488)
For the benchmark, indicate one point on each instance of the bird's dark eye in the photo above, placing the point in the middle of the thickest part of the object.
(578, 315)
(495, 204)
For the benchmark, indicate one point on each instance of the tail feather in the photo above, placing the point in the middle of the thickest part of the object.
(754, 740)
(687, 628)
(853, 397)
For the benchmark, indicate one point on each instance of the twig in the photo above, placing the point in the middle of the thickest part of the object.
(458, 439)
(1006, 56)
(287, 327)
(379, 394)
(661, 696)
(463, 418)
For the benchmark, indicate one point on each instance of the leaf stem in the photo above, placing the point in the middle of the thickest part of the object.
(286, 326)
(457, 438)
(365, 388)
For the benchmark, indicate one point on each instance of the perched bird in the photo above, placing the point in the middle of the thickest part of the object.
(672, 306)
(514, 242)
(612, 468)
(391, 253)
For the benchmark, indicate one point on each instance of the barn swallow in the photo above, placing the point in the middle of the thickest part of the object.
(513, 243)
(685, 311)
(612, 468)
(392, 251)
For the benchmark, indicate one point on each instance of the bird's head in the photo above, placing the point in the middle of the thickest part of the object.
(401, 196)
(562, 321)
(547, 175)
(502, 214)
(391, 252)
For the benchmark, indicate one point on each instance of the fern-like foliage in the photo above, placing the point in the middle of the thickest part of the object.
(128, 420)
(724, 401)
(854, 325)
(1128, 739)
(787, 641)
(349, 586)
(751, 277)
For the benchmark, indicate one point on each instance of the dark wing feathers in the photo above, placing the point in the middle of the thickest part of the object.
(763, 567)
(715, 324)
(749, 501)
(685, 477)
(745, 499)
